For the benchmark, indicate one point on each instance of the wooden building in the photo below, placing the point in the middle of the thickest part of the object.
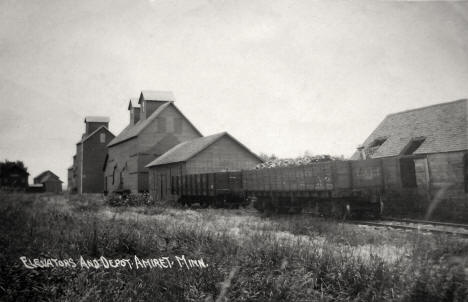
(214, 153)
(432, 144)
(156, 125)
(13, 176)
(86, 174)
(48, 182)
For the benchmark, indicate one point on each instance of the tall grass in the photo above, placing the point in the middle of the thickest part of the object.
(249, 258)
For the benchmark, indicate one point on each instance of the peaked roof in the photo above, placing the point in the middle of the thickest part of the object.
(156, 95)
(50, 177)
(444, 128)
(132, 131)
(188, 149)
(85, 138)
(96, 119)
(131, 102)
(45, 176)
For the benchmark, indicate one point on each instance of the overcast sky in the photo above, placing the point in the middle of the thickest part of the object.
(281, 76)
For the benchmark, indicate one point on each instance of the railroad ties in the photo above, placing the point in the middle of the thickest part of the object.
(421, 226)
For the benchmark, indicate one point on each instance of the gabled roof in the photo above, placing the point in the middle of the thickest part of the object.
(97, 119)
(444, 128)
(42, 174)
(46, 176)
(188, 149)
(85, 138)
(156, 95)
(132, 131)
(50, 178)
(132, 102)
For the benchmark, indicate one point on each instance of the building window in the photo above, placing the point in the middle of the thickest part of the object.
(378, 142)
(113, 175)
(413, 145)
(374, 146)
(102, 138)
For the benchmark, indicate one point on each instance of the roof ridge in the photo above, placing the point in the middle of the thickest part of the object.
(93, 133)
(175, 154)
(429, 106)
(141, 123)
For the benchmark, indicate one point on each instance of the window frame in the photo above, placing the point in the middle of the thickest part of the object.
(410, 145)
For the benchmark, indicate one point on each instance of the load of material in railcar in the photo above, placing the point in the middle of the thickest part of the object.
(335, 188)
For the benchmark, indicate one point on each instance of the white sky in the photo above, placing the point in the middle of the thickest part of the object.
(281, 76)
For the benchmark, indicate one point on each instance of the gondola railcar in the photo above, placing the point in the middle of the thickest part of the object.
(334, 188)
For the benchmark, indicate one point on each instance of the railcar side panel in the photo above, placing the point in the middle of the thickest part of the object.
(211, 184)
(343, 176)
(234, 181)
(367, 174)
(391, 173)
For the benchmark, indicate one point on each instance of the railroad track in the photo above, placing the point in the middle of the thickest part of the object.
(421, 226)
(460, 225)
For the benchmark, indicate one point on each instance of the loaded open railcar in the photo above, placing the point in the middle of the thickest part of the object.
(334, 188)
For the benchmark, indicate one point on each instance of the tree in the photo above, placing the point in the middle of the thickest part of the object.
(7, 166)
(267, 157)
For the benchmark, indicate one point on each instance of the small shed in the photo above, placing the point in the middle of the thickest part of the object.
(49, 181)
(214, 153)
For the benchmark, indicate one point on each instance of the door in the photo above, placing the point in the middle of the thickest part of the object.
(408, 173)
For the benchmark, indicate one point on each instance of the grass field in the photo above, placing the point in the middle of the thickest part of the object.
(247, 257)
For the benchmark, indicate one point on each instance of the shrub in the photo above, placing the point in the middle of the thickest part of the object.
(130, 200)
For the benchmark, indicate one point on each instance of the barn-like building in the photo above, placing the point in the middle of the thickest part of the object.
(156, 125)
(214, 153)
(48, 181)
(432, 144)
(86, 174)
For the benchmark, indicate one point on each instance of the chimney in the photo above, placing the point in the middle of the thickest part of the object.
(134, 112)
(94, 122)
(151, 100)
(362, 153)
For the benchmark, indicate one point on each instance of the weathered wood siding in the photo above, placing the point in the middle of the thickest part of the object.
(94, 153)
(122, 166)
(439, 191)
(53, 186)
(160, 180)
(447, 185)
(131, 157)
(169, 129)
(79, 162)
(224, 154)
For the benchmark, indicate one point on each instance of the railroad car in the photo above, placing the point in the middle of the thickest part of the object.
(334, 188)
(221, 189)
